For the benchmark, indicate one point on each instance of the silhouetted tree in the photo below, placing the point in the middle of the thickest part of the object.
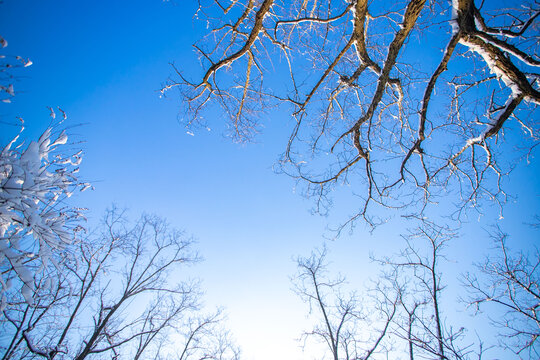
(122, 296)
(418, 278)
(404, 313)
(349, 326)
(508, 284)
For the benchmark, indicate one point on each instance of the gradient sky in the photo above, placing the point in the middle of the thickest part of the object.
(103, 62)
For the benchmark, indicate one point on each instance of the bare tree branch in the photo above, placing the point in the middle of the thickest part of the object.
(354, 77)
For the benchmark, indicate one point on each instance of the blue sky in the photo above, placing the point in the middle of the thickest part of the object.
(103, 63)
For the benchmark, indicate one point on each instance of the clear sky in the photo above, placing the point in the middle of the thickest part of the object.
(103, 63)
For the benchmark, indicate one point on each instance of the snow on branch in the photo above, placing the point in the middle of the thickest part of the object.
(354, 77)
(35, 222)
(7, 64)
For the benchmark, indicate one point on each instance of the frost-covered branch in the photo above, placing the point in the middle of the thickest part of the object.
(9, 64)
(367, 108)
(36, 223)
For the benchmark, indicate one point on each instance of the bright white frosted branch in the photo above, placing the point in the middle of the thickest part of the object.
(34, 224)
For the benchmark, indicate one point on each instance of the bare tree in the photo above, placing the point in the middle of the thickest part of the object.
(121, 296)
(408, 314)
(352, 328)
(370, 107)
(418, 277)
(508, 283)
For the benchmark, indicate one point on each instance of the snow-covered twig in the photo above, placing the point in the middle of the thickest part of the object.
(34, 223)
